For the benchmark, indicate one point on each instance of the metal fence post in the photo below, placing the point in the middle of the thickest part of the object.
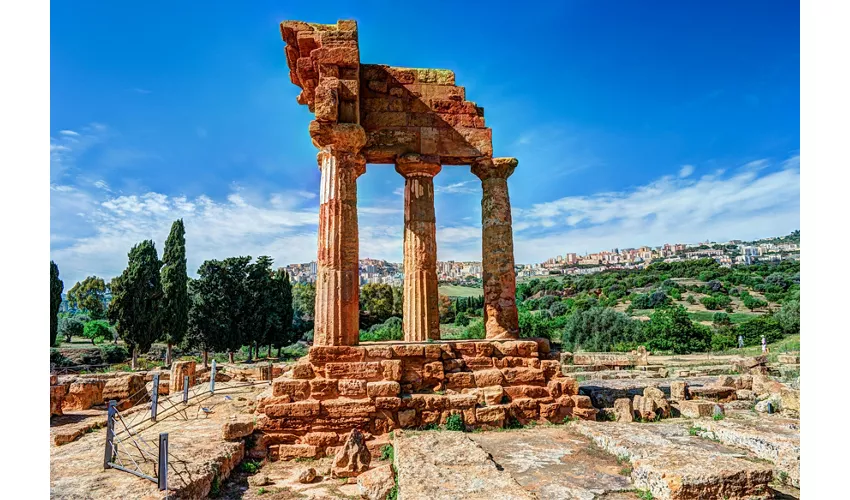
(212, 378)
(186, 389)
(109, 452)
(162, 466)
(155, 397)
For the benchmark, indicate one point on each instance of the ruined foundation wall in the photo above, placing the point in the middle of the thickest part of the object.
(382, 387)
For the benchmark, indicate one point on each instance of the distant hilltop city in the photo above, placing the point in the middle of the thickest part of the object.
(469, 273)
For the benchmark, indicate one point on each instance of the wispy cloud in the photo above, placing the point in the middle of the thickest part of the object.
(686, 171)
(69, 132)
(465, 187)
(142, 91)
(740, 205)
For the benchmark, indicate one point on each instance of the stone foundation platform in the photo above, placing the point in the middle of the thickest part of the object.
(379, 387)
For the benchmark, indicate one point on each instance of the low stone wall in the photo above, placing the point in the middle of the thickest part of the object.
(381, 387)
(607, 359)
(83, 395)
(57, 396)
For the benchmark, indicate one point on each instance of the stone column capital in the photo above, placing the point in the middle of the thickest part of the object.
(416, 165)
(348, 137)
(489, 168)
(343, 159)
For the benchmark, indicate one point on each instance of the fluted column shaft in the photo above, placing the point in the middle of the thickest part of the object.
(421, 319)
(337, 316)
(501, 319)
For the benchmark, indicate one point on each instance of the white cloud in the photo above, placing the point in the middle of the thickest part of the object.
(686, 171)
(743, 205)
(142, 91)
(69, 132)
(102, 184)
(465, 187)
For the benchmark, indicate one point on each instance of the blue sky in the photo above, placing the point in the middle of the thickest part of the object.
(634, 123)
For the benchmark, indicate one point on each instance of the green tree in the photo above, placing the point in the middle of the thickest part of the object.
(281, 332)
(789, 317)
(398, 301)
(96, 330)
(71, 326)
(136, 307)
(217, 317)
(376, 302)
(599, 329)
(754, 328)
(88, 295)
(671, 329)
(56, 287)
(258, 304)
(175, 289)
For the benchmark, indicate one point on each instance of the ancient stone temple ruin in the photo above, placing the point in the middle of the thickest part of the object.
(420, 121)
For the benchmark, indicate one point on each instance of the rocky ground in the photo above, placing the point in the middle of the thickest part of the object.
(200, 457)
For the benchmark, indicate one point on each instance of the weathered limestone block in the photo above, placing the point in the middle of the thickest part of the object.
(375, 352)
(377, 483)
(391, 369)
(348, 408)
(523, 376)
(383, 389)
(322, 388)
(696, 409)
(721, 394)
(564, 386)
(297, 390)
(83, 394)
(526, 391)
(790, 402)
(319, 355)
(57, 395)
(299, 409)
(493, 416)
(353, 458)
(554, 412)
(367, 370)
(127, 390)
(485, 378)
(321, 439)
(501, 318)
(678, 390)
(788, 359)
(744, 395)
(179, 370)
(287, 451)
(462, 401)
(352, 388)
(662, 407)
(582, 401)
(302, 370)
(763, 384)
(231, 431)
(387, 403)
(585, 413)
(623, 410)
(459, 381)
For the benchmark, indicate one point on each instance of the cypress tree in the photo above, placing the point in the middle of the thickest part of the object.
(56, 287)
(175, 306)
(136, 305)
(281, 332)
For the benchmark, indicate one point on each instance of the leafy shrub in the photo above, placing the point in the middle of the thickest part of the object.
(461, 319)
(475, 330)
(391, 329)
(114, 353)
(58, 359)
(455, 423)
(559, 309)
(388, 452)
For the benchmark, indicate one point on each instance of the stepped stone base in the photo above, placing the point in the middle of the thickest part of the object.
(380, 387)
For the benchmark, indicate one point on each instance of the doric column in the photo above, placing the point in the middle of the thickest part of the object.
(501, 319)
(421, 315)
(337, 317)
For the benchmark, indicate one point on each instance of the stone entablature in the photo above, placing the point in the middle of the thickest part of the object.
(379, 387)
